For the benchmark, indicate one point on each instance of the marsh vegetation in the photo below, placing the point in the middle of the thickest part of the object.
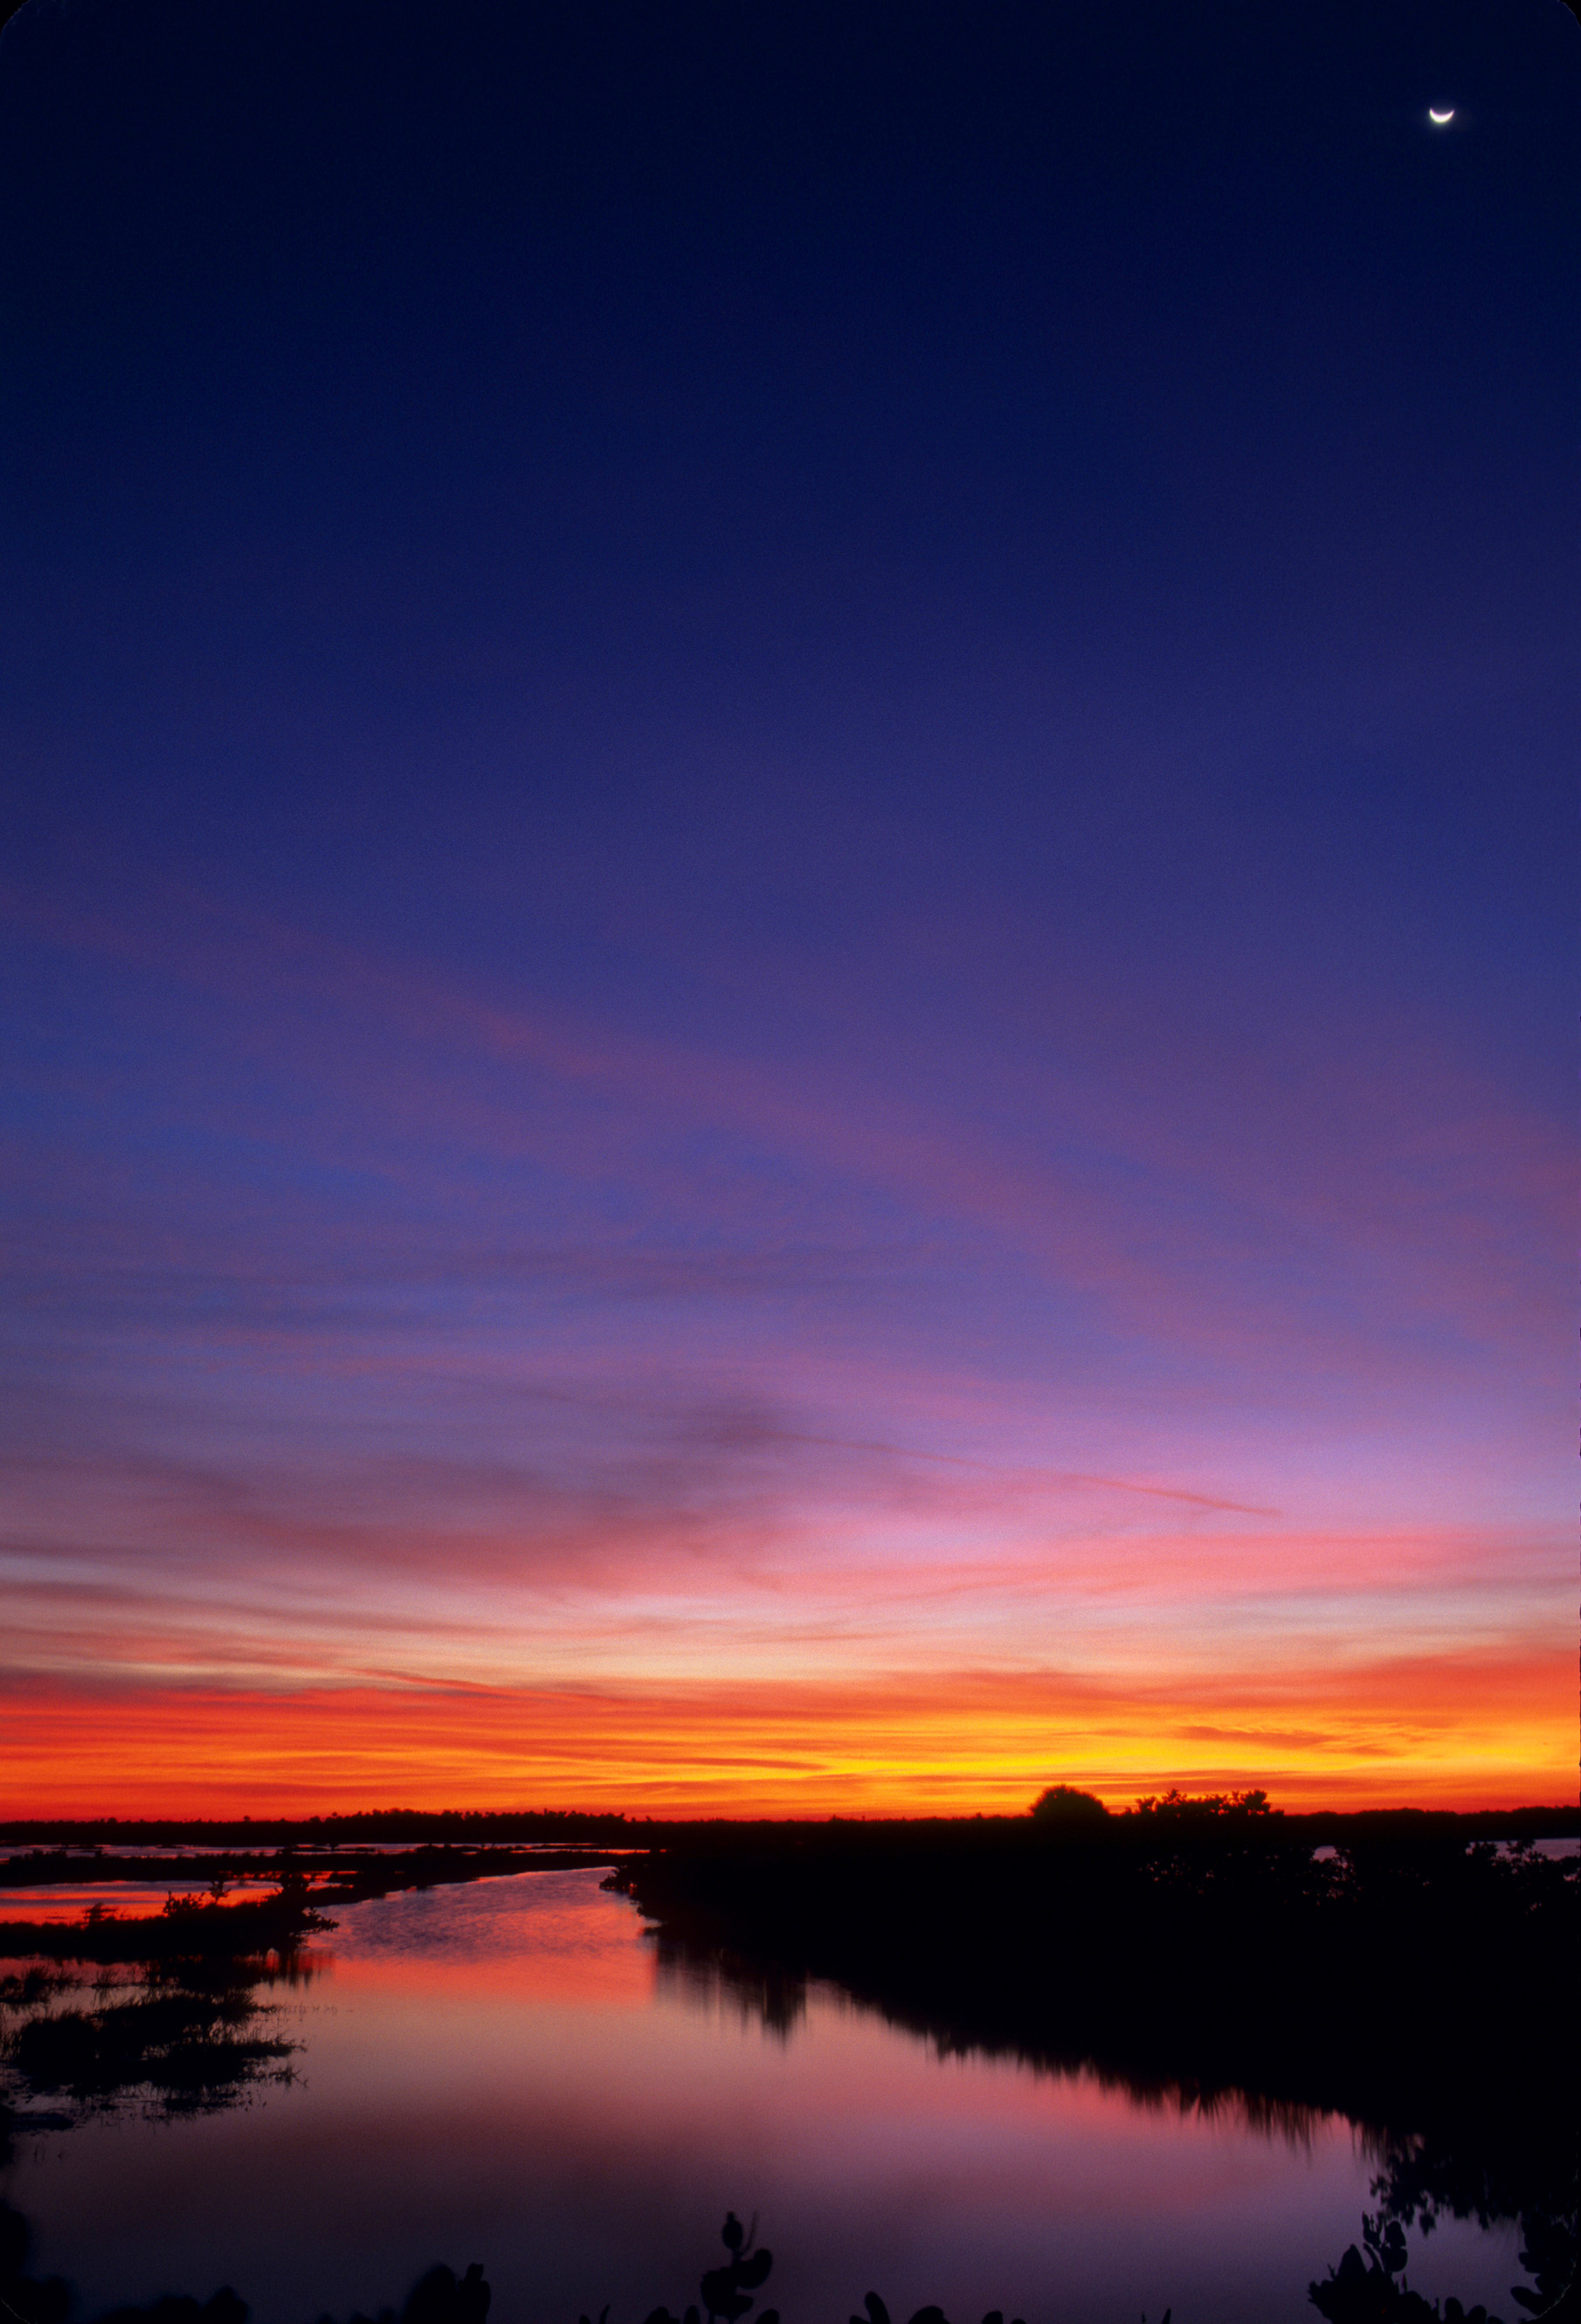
(1198, 1955)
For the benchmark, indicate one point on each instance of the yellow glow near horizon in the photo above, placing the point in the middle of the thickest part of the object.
(1457, 1730)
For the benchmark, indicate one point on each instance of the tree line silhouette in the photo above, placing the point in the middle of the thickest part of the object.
(1201, 1943)
(1408, 1973)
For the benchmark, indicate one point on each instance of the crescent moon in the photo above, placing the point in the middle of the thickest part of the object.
(1440, 118)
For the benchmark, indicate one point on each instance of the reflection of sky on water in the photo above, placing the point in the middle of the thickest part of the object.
(128, 1900)
(69, 1900)
(57, 1901)
(496, 2072)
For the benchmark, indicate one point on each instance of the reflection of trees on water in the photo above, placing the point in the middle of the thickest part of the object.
(170, 2037)
(1497, 2166)
(1207, 1956)
(720, 1984)
(1525, 2176)
(724, 1984)
(162, 2014)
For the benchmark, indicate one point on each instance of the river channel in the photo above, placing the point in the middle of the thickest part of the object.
(506, 2071)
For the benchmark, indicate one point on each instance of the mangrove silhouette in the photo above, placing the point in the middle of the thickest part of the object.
(1422, 2182)
(1199, 1953)
(727, 2292)
(1064, 1807)
(439, 2296)
(189, 1928)
(1370, 2289)
(1202, 1944)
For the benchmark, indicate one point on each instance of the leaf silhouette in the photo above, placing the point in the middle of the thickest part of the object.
(720, 2296)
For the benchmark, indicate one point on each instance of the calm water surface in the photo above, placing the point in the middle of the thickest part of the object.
(501, 2071)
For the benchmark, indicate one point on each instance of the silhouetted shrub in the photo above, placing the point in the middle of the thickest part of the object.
(1062, 1804)
(1364, 2291)
(728, 2292)
(437, 2297)
(222, 2307)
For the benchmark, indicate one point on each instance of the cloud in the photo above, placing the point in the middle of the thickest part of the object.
(373, 1324)
(1386, 1194)
(1462, 1729)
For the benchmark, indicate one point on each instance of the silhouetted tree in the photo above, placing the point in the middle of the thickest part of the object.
(439, 2296)
(1182, 1807)
(1063, 1805)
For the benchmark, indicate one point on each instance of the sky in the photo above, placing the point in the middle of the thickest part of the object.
(788, 833)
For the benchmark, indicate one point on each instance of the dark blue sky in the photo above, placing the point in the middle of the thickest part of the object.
(746, 750)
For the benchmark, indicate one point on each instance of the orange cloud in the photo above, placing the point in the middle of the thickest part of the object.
(1469, 1729)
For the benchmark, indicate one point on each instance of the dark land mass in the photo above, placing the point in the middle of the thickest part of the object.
(538, 1827)
(375, 1828)
(1202, 1944)
(1414, 1976)
(1417, 1979)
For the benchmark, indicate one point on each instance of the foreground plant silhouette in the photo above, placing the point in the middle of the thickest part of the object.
(1369, 2289)
(727, 2292)
(439, 2297)
(1373, 2289)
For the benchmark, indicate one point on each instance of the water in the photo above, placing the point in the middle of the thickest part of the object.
(503, 2071)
